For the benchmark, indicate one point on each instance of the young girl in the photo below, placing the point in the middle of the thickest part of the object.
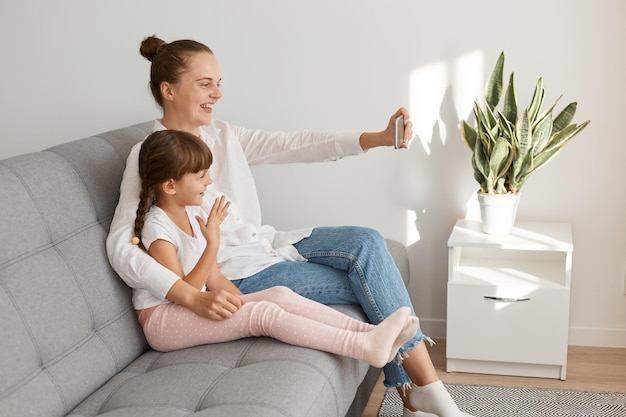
(174, 171)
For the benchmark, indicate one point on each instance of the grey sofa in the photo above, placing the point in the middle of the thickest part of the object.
(69, 339)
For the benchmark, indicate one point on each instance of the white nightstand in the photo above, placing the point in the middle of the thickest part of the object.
(508, 300)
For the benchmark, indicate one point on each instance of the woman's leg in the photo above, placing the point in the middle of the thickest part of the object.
(378, 285)
(351, 265)
(346, 265)
(362, 254)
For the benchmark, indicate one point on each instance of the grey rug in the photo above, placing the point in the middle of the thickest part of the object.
(487, 401)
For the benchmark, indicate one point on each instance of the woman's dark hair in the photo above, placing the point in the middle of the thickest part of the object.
(169, 60)
(165, 155)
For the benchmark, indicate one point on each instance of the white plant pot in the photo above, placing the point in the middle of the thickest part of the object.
(498, 212)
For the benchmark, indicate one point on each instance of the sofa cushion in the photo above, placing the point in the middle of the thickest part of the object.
(66, 319)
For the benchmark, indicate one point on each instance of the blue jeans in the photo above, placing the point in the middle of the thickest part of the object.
(346, 265)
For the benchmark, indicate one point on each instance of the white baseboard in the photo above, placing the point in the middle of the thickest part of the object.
(587, 336)
(578, 336)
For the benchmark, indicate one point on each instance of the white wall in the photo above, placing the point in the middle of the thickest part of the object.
(71, 69)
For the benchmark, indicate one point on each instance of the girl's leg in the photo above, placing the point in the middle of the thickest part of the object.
(302, 306)
(377, 346)
(171, 326)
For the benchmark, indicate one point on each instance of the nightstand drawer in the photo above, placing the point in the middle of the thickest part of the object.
(507, 323)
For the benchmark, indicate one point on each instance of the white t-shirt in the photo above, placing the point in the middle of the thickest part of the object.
(158, 225)
(246, 246)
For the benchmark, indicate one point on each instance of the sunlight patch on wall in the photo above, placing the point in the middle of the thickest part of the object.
(412, 234)
(427, 87)
(431, 88)
(468, 82)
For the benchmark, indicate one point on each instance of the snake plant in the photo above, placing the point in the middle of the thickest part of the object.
(507, 146)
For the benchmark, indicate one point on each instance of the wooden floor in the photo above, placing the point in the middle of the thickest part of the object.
(588, 369)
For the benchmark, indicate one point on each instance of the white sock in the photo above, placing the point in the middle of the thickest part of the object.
(418, 413)
(409, 413)
(380, 341)
(434, 398)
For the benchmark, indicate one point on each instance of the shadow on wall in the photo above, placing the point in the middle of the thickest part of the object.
(440, 178)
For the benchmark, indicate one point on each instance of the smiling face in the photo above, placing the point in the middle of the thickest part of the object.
(188, 104)
(189, 189)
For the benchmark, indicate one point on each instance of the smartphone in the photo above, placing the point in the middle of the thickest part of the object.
(399, 132)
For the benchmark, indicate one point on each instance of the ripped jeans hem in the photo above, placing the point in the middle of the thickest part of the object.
(400, 356)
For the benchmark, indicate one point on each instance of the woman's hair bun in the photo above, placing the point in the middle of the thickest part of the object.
(150, 47)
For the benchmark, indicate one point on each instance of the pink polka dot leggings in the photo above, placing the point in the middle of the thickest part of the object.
(276, 312)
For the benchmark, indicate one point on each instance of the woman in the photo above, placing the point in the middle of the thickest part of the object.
(344, 265)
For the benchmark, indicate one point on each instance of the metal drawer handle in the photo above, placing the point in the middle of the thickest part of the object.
(506, 299)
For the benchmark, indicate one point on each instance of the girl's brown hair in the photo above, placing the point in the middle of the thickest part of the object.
(169, 60)
(165, 155)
